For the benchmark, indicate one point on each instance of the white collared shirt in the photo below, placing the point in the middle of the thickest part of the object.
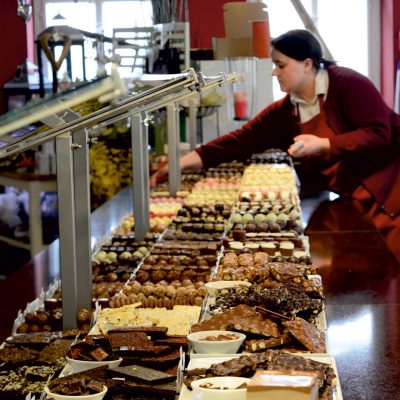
(308, 110)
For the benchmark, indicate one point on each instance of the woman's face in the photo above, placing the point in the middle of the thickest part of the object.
(292, 75)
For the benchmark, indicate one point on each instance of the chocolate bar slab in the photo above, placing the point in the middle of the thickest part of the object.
(154, 332)
(309, 335)
(263, 344)
(142, 374)
(165, 390)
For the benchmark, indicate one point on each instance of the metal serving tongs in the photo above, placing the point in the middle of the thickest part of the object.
(43, 394)
(272, 314)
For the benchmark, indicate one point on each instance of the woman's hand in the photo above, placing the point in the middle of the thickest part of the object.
(159, 176)
(309, 145)
(189, 161)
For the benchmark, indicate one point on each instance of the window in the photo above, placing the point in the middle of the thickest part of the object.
(342, 24)
(97, 16)
(80, 15)
(125, 14)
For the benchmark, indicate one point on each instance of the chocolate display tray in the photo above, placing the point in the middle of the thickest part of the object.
(320, 320)
(205, 362)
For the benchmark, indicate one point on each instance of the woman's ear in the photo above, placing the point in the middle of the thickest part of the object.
(308, 64)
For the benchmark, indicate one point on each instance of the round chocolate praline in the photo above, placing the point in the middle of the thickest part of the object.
(281, 223)
(239, 235)
(250, 227)
(274, 227)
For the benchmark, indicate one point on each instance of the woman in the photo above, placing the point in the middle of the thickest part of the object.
(333, 118)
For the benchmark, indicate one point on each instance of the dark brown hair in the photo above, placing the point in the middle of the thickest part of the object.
(300, 44)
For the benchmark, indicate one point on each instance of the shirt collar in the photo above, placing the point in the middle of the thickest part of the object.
(321, 87)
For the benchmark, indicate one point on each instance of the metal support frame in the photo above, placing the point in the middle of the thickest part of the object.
(173, 148)
(82, 217)
(66, 203)
(140, 173)
(74, 221)
(192, 123)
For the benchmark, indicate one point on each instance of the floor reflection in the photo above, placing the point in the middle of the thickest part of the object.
(350, 333)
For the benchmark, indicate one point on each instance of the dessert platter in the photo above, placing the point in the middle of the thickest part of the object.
(228, 286)
(202, 362)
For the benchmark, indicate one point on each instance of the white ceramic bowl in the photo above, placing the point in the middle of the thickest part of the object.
(215, 347)
(95, 396)
(221, 394)
(213, 287)
(81, 365)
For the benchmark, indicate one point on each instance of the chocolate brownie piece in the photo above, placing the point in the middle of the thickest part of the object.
(159, 362)
(155, 332)
(174, 342)
(121, 338)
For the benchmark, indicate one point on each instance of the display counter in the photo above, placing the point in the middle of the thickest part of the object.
(361, 282)
(34, 184)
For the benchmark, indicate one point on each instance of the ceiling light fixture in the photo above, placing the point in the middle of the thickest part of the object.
(58, 16)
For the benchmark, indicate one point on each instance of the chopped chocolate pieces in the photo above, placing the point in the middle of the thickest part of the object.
(82, 383)
(270, 360)
(95, 386)
(35, 387)
(72, 333)
(11, 382)
(306, 333)
(243, 318)
(99, 354)
(285, 272)
(142, 374)
(33, 339)
(76, 387)
(92, 351)
(40, 372)
(289, 299)
(55, 352)
(14, 356)
(40, 339)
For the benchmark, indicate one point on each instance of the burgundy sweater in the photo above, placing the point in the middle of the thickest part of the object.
(367, 141)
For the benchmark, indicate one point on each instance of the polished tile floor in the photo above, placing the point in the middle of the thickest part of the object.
(11, 258)
(362, 287)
